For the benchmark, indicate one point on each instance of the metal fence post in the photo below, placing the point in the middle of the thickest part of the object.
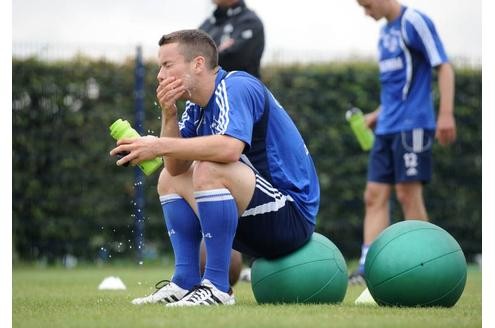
(139, 200)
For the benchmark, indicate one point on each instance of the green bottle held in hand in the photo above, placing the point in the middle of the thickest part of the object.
(362, 132)
(121, 129)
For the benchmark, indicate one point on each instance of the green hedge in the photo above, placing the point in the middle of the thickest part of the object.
(69, 197)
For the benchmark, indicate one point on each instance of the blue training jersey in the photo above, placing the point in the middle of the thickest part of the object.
(274, 146)
(409, 47)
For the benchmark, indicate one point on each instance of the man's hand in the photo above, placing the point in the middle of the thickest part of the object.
(446, 129)
(136, 150)
(371, 118)
(168, 92)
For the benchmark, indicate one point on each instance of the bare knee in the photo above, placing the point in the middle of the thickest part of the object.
(376, 196)
(370, 197)
(409, 196)
(165, 185)
(403, 196)
(207, 175)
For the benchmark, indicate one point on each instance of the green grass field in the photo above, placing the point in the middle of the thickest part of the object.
(58, 297)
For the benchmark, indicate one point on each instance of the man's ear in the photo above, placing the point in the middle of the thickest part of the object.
(199, 64)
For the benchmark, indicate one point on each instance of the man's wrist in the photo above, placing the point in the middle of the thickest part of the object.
(169, 113)
(446, 110)
(169, 109)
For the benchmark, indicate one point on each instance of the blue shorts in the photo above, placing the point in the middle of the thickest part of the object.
(401, 157)
(271, 226)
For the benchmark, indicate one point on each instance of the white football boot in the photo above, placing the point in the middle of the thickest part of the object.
(167, 293)
(206, 294)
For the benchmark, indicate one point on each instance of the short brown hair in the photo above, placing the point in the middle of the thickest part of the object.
(193, 43)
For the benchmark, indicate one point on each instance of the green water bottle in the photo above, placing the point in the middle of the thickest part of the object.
(362, 132)
(122, 129)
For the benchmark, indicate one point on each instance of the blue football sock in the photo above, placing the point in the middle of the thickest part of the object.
(218, 215)
(364, 252)
(184, 231)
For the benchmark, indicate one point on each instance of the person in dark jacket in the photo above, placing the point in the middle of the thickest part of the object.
(239, 35)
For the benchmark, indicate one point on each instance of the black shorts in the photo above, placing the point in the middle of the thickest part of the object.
(271, 226)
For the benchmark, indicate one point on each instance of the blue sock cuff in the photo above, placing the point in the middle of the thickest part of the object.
(164, 199)
(212, 195)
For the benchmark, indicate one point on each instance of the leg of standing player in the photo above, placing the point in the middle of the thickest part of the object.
(410, 196)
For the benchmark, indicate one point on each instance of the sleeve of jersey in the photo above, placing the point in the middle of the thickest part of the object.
(235, 111)
(420, 34)
(187, 127)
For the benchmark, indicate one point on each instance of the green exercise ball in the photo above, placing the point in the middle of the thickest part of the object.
(415, 263)
(315, 273)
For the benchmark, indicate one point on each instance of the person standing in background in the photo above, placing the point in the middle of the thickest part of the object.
(401, 157)
(239, 35)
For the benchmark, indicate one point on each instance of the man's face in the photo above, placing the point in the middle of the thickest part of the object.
(374, 8)
(173, 64)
